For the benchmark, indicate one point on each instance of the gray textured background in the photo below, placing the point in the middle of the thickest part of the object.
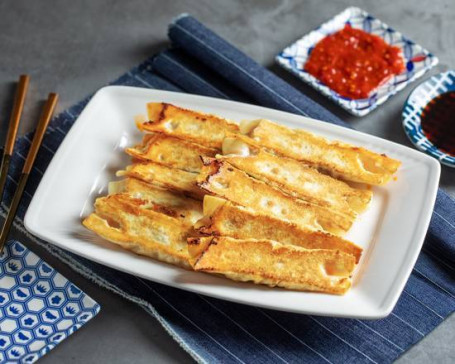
(75, 47)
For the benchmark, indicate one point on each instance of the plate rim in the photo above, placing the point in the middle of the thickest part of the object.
(390, 299)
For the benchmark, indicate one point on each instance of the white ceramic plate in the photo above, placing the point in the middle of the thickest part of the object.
(391, 231)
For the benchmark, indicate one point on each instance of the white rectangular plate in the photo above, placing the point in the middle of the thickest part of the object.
(391, 231)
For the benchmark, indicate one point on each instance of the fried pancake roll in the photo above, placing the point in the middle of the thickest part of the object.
(273, 264)
(223, 218)
(208, 130)
(126, 222)
(170, 203)
(221, 179)
(339, 159)
(165, 177)
(172, 152)
(293, 177)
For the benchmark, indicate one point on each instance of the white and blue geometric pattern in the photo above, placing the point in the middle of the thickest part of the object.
(38, 306)
(417, 60)
(412, 111)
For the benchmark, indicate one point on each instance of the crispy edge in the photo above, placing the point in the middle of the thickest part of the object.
(181, 154)
(365, 166)
(170, 203)
(165, 177)
(320, 217)
(109, 224)
(350, 198)
(100, 227)
(210, 129)
(238, 222)
(321, 270)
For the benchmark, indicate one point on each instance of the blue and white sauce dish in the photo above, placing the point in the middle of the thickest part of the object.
(419, 98)
(39, 307)
(417, 59)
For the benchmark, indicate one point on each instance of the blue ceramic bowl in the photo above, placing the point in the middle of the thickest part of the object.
(417, 59)
(412, 111)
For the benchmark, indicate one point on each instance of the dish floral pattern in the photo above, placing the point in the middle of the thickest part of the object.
(417, 59)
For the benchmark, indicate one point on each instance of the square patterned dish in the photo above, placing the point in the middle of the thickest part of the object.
(391, 231)
(416, 59)
(39, 308)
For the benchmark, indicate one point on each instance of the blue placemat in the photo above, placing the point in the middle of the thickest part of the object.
(212, 330)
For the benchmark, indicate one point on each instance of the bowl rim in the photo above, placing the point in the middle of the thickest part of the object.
(441, 157)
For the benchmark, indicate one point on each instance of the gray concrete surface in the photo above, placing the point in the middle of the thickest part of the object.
(75, 47)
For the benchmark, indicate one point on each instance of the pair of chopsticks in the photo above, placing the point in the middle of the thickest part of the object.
(43, 122)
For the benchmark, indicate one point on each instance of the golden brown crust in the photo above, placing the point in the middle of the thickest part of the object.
(160, 200)
(172, 152)
(162, 176)
(243, 223)
(274, 264)
(298, 179)
(223, 180)
(121, 220)
(208, 130)
(347, 161)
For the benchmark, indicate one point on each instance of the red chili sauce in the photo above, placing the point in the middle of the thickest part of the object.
(438, 122)
(353, 62)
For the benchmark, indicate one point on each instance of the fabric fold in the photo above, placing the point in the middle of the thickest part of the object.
(240, 70)
(193, 77)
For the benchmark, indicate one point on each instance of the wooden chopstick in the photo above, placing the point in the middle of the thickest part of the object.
(46, 115)
(19, 100)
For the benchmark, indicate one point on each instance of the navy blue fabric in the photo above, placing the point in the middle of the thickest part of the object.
(194, 77)
(212, 330)
(238, 69)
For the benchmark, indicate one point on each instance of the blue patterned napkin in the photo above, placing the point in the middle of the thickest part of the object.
(212, 330)
(39, 307)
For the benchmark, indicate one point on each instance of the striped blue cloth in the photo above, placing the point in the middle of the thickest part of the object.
(211, 330)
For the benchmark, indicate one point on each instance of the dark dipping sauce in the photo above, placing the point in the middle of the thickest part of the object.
(438, 122)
